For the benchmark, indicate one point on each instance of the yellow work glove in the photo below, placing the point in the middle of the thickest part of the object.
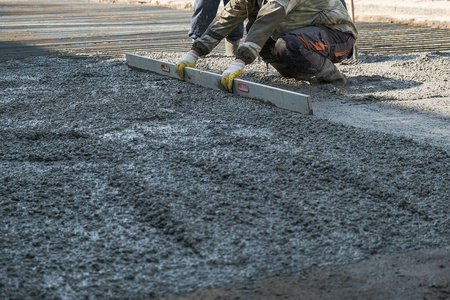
(234, 70)
(189, 59)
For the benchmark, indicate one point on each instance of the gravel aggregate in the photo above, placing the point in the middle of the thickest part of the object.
(116, 183)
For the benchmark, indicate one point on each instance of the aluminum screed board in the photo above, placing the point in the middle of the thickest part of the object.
(278, 97)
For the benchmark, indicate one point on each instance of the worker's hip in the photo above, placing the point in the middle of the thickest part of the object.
(304, 50)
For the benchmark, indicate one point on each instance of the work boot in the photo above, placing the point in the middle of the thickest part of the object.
(231, 47)
(331, 74)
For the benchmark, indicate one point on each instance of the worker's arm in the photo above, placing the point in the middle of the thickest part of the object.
(232, 16)
(267, 20)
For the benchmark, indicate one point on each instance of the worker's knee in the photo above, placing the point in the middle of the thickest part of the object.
(293, 54)
(289, 47)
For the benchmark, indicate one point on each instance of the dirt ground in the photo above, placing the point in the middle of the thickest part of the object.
(411, 275)
(429, 13)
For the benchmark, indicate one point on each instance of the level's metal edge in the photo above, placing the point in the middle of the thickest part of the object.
(284, 99)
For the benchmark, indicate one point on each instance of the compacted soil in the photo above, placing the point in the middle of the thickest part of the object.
(122, 184)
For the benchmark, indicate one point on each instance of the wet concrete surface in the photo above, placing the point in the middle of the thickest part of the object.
(125, 184)
(122, 184)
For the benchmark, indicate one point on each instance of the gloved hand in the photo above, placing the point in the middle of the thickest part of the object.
(189, 59)
(234, 70)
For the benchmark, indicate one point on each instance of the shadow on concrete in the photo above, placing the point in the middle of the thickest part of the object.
(14, 50)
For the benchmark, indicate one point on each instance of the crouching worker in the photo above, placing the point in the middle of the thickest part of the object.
(302, 39)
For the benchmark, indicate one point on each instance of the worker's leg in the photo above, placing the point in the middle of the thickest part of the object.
(310, 52)
(204, 13)
(237, 33)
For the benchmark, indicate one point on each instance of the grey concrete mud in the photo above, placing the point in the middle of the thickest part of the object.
(116, 183)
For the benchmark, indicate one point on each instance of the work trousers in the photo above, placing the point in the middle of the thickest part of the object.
(302, 52)
(204, 13)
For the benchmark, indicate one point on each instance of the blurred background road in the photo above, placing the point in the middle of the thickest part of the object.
(111, 29)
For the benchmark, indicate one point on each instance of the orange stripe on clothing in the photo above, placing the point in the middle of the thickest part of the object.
(303, 40)
(339, 54)
(319, 46)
